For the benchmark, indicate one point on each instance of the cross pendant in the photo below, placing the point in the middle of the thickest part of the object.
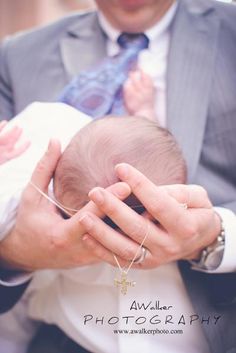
(123, 283)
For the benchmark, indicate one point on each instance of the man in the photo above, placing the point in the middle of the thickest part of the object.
(199, 38)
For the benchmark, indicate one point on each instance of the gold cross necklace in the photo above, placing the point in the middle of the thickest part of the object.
(123, 282)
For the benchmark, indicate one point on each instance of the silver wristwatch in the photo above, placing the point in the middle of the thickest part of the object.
(211, 256)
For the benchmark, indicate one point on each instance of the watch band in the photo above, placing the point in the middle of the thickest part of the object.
(211, 256)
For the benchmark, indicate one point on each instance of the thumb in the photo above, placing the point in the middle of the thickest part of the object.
(45, 168)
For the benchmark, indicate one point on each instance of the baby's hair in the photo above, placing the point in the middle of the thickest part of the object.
(92, 154)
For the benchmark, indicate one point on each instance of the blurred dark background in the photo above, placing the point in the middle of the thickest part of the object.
(18, 15)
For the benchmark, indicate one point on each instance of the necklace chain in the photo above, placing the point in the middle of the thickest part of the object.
(123, 282)
(135, 256)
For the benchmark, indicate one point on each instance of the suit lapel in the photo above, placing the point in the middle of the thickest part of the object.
(83, 45)
(190, 69)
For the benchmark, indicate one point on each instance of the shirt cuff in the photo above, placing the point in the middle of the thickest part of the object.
(228, 263)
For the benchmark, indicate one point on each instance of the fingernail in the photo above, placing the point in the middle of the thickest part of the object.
(86, 221)
(97, 196)
(122, 170)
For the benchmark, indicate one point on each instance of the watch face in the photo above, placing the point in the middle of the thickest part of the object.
(214, 258)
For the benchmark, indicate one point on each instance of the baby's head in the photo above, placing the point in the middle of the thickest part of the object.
(92, 154)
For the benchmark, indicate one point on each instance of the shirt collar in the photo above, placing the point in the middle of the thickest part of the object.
(152, 33)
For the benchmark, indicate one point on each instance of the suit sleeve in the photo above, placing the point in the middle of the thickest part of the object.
(9, 295)
(6, 95)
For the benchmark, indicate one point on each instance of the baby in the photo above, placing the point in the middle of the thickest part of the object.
(64, 298)
(90, 158)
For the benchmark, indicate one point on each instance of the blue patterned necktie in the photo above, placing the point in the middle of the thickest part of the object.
(98, 91)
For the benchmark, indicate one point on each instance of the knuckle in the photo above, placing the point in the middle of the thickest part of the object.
(111, 209)
(127, 253)
(189, 230)
(201, 190)
(204, 194)
(90, 244)
(58, 243)
(156, 208)
(138, 231)
(27, 196)
(96, 249)
(98, 232)
(41, 166)
(158, 205)
(137, 183)
(173, 249)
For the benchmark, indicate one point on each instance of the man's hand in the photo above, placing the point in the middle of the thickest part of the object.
(41, 238)
(174, 231)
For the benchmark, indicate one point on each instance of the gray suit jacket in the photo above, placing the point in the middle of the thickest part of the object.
(201, 112)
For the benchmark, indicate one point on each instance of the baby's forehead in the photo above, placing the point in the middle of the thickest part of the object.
(109, 121)
(122, 129)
